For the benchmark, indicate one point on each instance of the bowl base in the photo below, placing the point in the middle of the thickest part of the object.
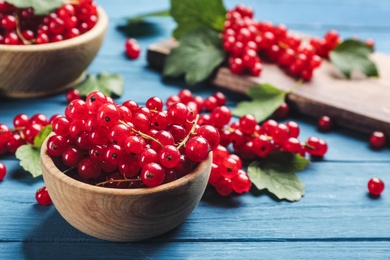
(44, 93)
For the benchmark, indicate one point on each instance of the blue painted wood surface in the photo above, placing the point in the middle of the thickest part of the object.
(335, 219)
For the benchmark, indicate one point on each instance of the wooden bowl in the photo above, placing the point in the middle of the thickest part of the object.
(124, 214)
(37, 70)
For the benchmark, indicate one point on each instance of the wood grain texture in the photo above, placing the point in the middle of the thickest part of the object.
(336, 219)
(38, 70)
(359, 104)
(124, 214)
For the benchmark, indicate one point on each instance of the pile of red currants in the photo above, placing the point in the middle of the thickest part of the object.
(248, 42)
(20, 26)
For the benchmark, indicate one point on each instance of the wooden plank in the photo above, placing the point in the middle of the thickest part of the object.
(336, 202)
(360, 104)
(278, 249)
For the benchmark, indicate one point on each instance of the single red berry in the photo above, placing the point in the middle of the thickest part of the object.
(132, 48)
(282, 111)
(42, 196)
(152, 174)
(169, 156)
(377, 140)
(21, 120)
(3, 171)
(211, 134)
(241, 182)
(197, 149)
(224, 186)
(72, 94)
(324, 124)
(247, 124)
(375, 186)
(88, 169)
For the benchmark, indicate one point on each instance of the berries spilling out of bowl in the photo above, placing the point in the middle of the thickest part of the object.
(20, 26)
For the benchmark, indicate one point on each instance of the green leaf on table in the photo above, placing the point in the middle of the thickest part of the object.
(354, 55)
(141, 17)
(276, 173)
(108, 84)
(29, 157)
(265, 100)
(40, 138)
(139, 26)
(191, 15)
(198, 54)
(40, 6)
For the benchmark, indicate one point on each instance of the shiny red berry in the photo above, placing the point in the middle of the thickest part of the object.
(3, 171)
(132, 48)
(324, 124)
(42, 196)
(375, 186)
(377, 140)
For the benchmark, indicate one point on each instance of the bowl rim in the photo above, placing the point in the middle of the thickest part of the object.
(100, 26)
(47, 162)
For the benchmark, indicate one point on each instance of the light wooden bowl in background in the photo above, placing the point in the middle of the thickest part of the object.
(38, 70)
(124, 215)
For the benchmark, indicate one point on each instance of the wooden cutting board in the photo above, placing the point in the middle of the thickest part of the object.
(359, 104)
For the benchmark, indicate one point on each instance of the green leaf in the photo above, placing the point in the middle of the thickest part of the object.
(354, 55)
(141, 17)
(191, 15)
(265, 100)
(276, 173)
(29, 157)
(197, 55)
(104, 82)
(112, 82)
(40, 138)
(40, 6)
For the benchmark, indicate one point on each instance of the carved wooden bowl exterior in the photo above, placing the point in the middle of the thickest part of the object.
(124, 214)
(37, 70)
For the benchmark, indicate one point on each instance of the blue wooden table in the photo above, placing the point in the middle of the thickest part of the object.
(335, 219)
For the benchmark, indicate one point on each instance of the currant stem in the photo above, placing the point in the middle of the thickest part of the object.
(192, 131)
(296, 85)
(140, 133)
(19, 33)
(117, 181)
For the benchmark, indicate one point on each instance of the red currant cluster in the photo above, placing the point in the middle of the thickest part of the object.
(129, 145)
(226, 172)
(19, 26)
(25, 130)
(246, 40)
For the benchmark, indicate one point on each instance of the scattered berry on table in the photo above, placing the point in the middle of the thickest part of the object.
(375, 186)
(3, 171)
(132, 48)
(377, 140)
(42, 196)
(324, 124)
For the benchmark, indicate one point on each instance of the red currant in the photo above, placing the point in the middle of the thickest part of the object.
(324, 124)
(377, 140)
(3, 171)
(42, 196)
(132, 48)
(375, 186)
